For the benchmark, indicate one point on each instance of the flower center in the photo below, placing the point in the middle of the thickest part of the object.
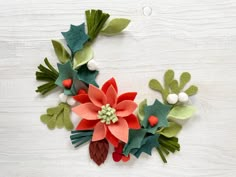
(107, 114)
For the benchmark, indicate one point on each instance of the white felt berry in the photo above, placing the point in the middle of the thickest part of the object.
(63, 97)
(92, 65)
(172, 98)
(71, 101)
(183, 97)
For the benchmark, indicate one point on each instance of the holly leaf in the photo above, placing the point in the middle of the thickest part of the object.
(87, 76)
(76, 37)
(158, 110)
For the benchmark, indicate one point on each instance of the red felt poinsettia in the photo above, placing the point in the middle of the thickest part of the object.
(109, 115)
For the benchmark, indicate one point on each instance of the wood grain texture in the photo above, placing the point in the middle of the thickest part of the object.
(195, 35)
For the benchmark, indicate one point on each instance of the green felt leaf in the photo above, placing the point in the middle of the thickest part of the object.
(76, 37)
(141, 107)
(168, 77)
(192, 90)
(79, 137)
(160, 111)
(58, 116)
(174, 86)
(83, 56)
(172, 130)
(115, 26)
(184, 79)
(87, 76)
(135, 140)
(60, 51)
(181, 112)
(148, 144)
(155, 85)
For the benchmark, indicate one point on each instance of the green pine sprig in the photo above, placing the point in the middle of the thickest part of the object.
(48, 74)
(79, 137)
(95, 22)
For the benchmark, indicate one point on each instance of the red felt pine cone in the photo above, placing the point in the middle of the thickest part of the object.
(98, 151)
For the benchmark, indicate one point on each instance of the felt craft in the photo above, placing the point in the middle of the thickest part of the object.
(108, 118)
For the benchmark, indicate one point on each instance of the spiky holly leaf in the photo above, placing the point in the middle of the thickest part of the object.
(87, 76)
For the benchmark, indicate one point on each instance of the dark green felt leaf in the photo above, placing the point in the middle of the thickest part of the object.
(148, 144)
(159, 110)
(60, 51)
(79, 137)
(76, 37)
(135, 140)
(87, 76)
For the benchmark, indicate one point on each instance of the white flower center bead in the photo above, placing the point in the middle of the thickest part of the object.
(172, 98)
(107, 114)
(183, 97)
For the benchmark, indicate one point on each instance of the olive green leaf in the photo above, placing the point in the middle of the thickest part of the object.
(83, 56)
(141, 107)
(192, 90)
(58, 116)
(115, 26)
(168, 77)
(155, 85)
(174, 86)
(181, 112)
(172, 130)
(184, 79)
(60, 51)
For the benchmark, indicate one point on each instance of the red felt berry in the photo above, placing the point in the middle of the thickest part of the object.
(153, 120)
(81, 91)
(119, 149)
(125, 158)
(116, 156)
(67, 83)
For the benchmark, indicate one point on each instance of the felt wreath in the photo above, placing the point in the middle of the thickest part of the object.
(107, 116)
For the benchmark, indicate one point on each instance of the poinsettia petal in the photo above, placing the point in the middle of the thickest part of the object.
(82, 98)
(108, 83)
(86, 111)
(96, 96)
(86, 124)
(127, 96)
(111, 96)
(132, 121)
(112, 139)
(99, 132)
(120, 130)
(125, 108)
(116, 156)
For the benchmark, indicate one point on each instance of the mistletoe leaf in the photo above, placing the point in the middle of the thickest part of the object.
(168, 77)
(155, 85)
(174, 86)
(181, 112)
(172, 130)
(115, 26)
(192, 90)
(184, 79)
(60, 51)
(76, 37)
(83, 56)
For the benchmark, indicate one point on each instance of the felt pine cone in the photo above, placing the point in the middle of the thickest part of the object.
(98, 151)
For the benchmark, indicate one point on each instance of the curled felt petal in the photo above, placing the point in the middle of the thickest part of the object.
(96, 96)
(99, 132)
(111, 96)
(120, 130)
(132, 121)
(116, 156)
(125, 108)
(112, 139)
(86, 124)
(82, 98)
(127, 96)
(108, 83)
(87, 111)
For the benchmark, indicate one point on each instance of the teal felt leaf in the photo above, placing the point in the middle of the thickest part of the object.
(62, 55)
(83, 56)
(172, 130)
(158, 110)
(135, 140)
(148, 144)
(87, 76)
(76, 37)
(181, 112)
(141, 107)
(115, 26)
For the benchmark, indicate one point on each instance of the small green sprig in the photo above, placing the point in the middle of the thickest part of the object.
(171, 85)
(48, 74)
(79, 137)
(167, 145)
(95, 22)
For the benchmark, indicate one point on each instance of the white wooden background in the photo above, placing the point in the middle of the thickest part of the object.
(194, 35)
